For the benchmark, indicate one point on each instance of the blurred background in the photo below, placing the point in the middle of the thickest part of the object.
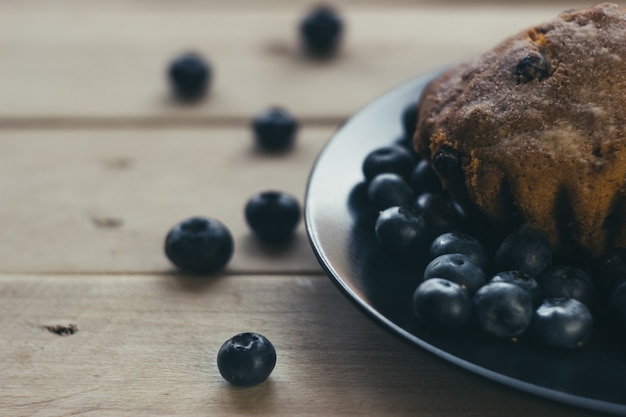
(105, 61)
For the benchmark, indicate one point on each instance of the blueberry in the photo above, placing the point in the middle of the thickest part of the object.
(614, 257)
(407, 143)
(199, 244)
(423, 179)
(523, 280)
(189, 76)
(456, 242)
(524, 250)
(400, 230)
(394, 159)
(567, 282)
(562, 323)
(533, 66)
(389, 190)
(503, 309)
(611, 271)
(320, 31)
(448, 163)
(409, 119)
(617, 302)
(457, 268)
(440, 213)
(273, 215)
(274, 129)
(246, 359)
(443, 305)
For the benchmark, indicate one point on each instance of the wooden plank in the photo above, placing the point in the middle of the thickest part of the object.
(66, 63)
(29, 6)
(147, 345)
(103, 201)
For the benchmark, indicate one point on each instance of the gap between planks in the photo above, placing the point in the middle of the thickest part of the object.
(177, 275)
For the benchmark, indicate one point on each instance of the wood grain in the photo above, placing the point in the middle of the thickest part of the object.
(147, 346)
(103, 200)
(98, 161)
(109, 63)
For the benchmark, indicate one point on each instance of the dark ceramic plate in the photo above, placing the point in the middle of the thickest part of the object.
(341, 231)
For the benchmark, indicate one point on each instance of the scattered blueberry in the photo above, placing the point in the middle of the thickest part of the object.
(440, 213)
(456, 242)
(394, 159)
(199, 244)
(562, 323)
(321, 30)
(567, 282)
(523, 280)
(457, 268)
(273, 215)
(423, 179)
(524, 250)
(246, 359)
(503, 309)
(189, 76)
(274, 129)
(443, 305)
(401, 230)
(388, 190)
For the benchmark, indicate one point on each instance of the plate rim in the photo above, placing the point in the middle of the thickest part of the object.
(387, 324)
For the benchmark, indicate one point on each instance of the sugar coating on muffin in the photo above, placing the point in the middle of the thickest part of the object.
(533, 131)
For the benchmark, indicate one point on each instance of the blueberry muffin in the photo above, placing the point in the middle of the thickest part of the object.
(533, 131)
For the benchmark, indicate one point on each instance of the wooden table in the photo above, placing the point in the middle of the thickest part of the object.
(97, 162)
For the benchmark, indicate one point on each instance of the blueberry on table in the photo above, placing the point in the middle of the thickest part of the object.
(189, 75)
(400, 230)
(394, 159)
(457, 268)
(273, 215)
(246, 359)
(320, 31)
(523, 280)
(389, 190)
(524, 250)
(443, 305)
(274, 129)
(199, 245)
(567, 282)
(562, 323)
(503, 309)
(456, 242)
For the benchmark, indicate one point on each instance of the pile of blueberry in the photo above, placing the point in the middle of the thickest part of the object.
(510, 290)
(204, 245)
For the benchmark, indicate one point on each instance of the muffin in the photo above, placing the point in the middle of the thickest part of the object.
(533, 131)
